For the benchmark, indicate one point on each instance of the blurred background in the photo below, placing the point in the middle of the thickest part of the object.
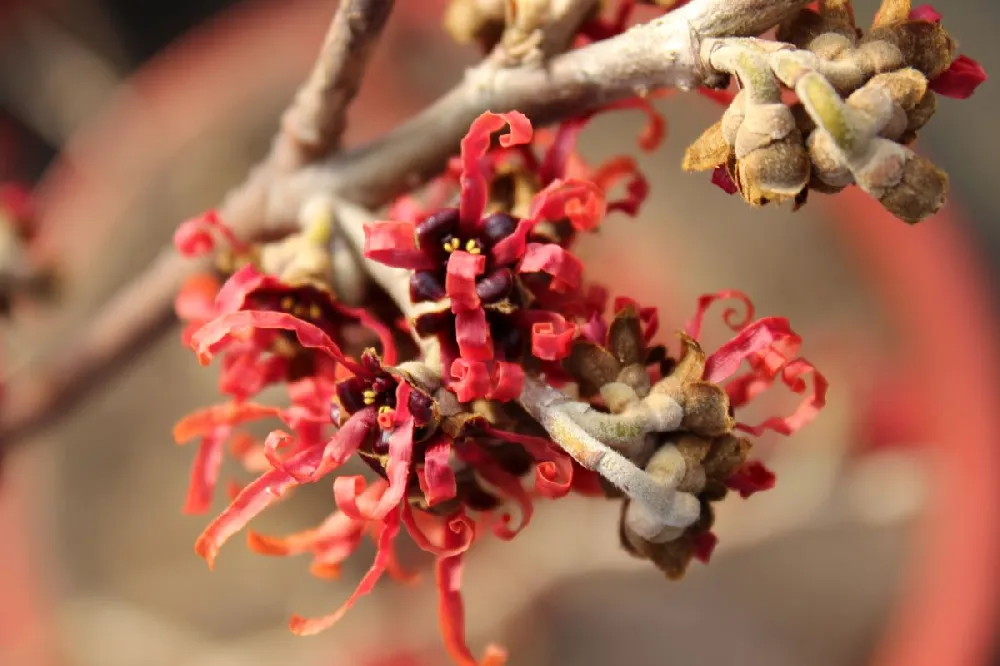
(879, 544)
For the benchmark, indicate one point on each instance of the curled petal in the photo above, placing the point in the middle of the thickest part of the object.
(394, 244)
(194, 237)
(399, 465)
(511, 248)
(254, 498)
(233, 294)
(218, 332)
(751, 477)
(655, 128)
(460, 281)
(205, 470)
(387, 534)
(352, 496)
(636, 187)
(564, 267)
(553, 467)
(338, 532)
(196, 299)
(470, 379)
(345, 442)
(551, 335)
(451, 614)
(506, 484)
(792, 375)
(580, 200)
(730, 316)
(438, 478)
(472, 332)
(556, 158)
(441, 536)
(749, 342)
(205, 421)
(475, 144)
(508, 379)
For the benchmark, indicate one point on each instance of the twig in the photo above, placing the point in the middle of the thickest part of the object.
(662, 53)
(318, 116)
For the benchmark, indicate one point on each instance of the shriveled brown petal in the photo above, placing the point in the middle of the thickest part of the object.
(708, 151)
(891, 12)
(706, 409)
(625, 337)
(691, 366)
(591, 366)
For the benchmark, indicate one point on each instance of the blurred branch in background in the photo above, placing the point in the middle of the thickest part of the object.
(49, 79)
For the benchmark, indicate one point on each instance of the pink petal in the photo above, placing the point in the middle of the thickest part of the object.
(472, 333)
(759, 335)
(580, 200)
(216, 333)
(438, 478)
(471, 379)
(722, 180)
(389, 529)
(474, 186)
(752, 477)
(730, 315)
(508, 379)
(961, 79)
(205, 470)
(460, 280)
(564, 267)
(925, 13)
(394, 244)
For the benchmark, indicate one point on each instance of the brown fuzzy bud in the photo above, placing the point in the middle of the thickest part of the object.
(829, 165)
(806, 26)
(922, 112)
(923, 45)
(776, 172)
(706, 409)
(920, 193)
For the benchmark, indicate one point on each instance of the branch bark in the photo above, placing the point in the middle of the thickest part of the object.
(662, 53)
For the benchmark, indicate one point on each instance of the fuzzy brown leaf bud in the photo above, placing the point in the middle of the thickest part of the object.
(920, 192)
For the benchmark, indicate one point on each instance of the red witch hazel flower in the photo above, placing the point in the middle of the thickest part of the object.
(456, 444)
(495, 288)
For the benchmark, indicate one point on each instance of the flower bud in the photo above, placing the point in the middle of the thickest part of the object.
(924, 46)
(920, 192)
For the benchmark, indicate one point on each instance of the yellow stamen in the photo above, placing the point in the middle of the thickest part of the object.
(472, 247)
(384, 409)
(315, 312)
(369, 396)
(452, 244)
(287, 303)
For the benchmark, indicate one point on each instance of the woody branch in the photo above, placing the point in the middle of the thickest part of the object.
(663, 53)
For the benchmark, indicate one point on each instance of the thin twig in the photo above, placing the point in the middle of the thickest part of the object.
(318, 116)
(662, 53)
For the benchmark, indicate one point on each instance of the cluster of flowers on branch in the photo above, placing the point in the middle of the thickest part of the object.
(532, 383)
